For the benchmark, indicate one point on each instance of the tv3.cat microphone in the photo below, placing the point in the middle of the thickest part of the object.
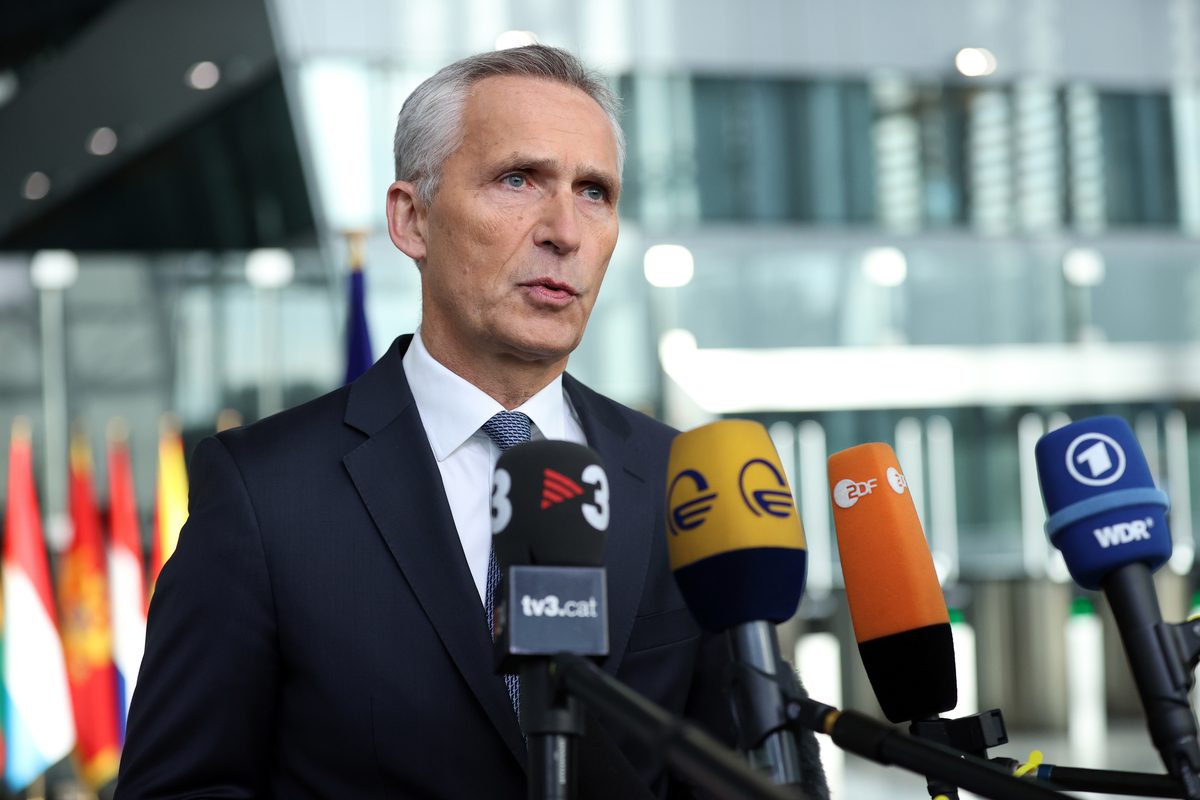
(550, 512)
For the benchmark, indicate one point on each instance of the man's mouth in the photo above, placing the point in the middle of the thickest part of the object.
(551, 289)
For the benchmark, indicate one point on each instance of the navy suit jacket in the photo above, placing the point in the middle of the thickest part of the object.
(317, 632)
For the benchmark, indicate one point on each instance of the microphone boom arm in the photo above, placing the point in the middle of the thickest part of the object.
(679, 743)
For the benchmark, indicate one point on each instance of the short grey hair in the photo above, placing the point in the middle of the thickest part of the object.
(429, 127)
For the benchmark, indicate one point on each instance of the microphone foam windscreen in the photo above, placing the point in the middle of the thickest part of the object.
(550, 505)
(896, 603)
(1104, 510)
(735, 539)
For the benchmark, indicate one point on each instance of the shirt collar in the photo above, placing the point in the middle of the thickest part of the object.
(453, 409)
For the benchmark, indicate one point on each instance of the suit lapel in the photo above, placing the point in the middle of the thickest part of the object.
(399, 482)
(627, 549)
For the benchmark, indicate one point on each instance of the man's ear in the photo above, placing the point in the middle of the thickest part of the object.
(406, 219)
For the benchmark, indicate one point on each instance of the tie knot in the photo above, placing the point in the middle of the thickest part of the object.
(508, 428)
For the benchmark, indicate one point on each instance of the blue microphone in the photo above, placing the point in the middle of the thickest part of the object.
(1104, 511)
(1109, 521)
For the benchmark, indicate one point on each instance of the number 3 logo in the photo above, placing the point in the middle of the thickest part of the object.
(502, 509)
(596, 513)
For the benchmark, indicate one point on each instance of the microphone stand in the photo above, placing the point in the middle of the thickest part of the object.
(524, 642)
(553, 723)
(763, 733)
(864, 736)
(975, 734)
(972, 735)
(869, 738)
(1157, 653)
(1104, 781)
(680, 744)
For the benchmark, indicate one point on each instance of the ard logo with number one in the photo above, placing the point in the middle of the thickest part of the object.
(1095, 459)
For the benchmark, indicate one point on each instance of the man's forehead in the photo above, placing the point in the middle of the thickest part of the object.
(525, 113)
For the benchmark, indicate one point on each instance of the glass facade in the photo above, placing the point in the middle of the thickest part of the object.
(899, 154)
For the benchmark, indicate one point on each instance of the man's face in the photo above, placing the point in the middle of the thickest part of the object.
(520, 232)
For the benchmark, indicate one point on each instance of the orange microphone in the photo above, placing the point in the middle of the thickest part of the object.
(896, 603)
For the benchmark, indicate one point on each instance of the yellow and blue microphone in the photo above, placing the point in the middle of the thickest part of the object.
(735, 539)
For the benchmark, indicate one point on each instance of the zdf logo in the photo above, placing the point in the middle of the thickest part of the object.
(847, 492)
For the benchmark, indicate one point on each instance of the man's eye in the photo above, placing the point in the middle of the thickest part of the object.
(515, 180)
(595, 193)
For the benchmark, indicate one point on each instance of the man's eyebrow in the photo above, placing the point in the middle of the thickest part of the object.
(602, 177)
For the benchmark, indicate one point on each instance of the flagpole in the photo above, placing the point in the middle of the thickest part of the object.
(269, 270)
(356, 242)
(52, 273)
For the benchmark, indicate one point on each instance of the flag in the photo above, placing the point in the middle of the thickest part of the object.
(126, 570)
(170, 509)
(87, 626)
(3, 703)
(358, 336)
(38, 725)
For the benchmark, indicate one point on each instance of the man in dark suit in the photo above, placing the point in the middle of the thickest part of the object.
(320, 631)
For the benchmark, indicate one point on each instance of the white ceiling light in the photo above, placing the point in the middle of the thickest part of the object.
(9, 84)
(885, 266)
(676, 345)
(102, 141)
(1083, 266)
(36, 186)
(669, 266)
(203, 75)
(975, 62)
(54, 269)
(270, 268)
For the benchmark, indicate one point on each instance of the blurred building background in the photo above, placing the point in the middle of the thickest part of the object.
(949, 226)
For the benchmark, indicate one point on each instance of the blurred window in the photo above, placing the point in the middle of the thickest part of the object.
(1139, 159)
(897, 153)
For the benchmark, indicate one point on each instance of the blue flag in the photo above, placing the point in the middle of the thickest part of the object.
(358, 337)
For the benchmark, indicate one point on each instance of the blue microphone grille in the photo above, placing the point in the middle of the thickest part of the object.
(1103, 508)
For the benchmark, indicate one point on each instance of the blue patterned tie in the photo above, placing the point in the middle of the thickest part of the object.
(506, 429)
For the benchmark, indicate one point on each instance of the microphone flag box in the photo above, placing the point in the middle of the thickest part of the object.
(549, 610)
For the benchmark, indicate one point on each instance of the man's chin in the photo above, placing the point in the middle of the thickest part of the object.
(542, 349)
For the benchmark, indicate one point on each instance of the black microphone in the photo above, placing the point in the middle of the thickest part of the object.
(737, 551)
(550, 511)
(1109, 521)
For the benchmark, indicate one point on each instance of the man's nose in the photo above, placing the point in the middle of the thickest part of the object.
(558, 225)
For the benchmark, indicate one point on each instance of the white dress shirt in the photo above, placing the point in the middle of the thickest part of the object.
(453, 411)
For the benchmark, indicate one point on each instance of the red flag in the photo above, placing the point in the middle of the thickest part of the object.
(87, 627)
